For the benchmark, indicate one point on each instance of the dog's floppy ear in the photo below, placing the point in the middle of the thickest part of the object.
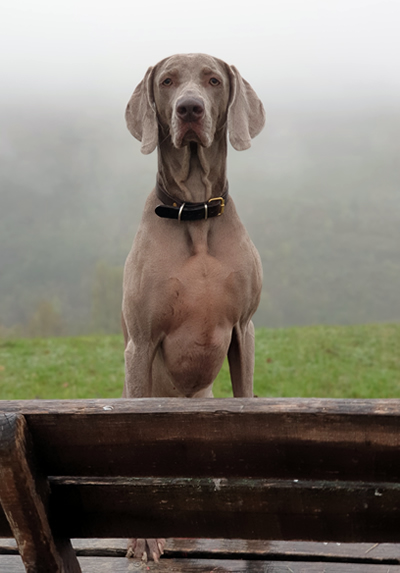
(246, 115)
(140, 115)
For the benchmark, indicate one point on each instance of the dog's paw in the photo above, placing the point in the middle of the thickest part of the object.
(145, 549)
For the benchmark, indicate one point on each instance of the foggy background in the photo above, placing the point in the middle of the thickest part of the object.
(319, 191)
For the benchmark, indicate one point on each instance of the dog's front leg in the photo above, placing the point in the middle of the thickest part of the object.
(241, 361)
(145, 549)
(138, 367)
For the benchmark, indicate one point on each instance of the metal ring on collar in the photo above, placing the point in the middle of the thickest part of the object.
(180, 212)
(205, 211)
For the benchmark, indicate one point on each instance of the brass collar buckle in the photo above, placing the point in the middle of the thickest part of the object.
(221, 207)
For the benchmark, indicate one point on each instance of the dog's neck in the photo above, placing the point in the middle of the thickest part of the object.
(193, 173)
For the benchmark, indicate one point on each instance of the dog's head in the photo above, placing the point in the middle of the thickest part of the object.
(192, 96)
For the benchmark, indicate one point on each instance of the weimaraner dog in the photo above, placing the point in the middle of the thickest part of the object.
(192, 280)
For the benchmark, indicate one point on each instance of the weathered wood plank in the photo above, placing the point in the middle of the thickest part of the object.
(386, 407)
(285, 439)
(373, 553)
(24, 498)
(250, 549)
(231, 509)
(229, 566)
(13, 564)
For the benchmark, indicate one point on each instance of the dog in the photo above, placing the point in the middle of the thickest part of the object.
(193, 278)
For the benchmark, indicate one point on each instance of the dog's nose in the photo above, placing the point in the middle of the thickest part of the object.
(190, 109)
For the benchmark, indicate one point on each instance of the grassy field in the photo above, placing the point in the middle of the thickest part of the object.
(318, 361)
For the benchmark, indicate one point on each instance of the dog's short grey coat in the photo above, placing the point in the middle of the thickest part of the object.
(190, 288)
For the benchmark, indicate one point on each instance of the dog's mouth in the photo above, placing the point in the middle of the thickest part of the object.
(185, 132)
(190, 132)
(191, 136)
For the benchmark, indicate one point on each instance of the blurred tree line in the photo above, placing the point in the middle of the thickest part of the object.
(319, 193)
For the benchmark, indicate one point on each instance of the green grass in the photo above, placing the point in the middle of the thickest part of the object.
(61, 368)
(326, 362)
(318, 361)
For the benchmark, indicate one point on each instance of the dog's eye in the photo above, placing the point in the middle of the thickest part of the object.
(167, 82)
(214, 82)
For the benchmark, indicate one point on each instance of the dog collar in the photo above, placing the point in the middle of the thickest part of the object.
(173, 208)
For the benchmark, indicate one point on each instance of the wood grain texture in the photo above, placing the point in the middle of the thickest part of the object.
(280, 469)
(233, 509)
(13, 564)
(170, 405)
(250, 549)
(370, 553)
(283, 439)
(24, 498)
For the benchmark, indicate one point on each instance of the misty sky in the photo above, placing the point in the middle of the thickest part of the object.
(306, 50)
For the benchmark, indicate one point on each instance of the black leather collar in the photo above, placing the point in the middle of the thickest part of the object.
(173, 208)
